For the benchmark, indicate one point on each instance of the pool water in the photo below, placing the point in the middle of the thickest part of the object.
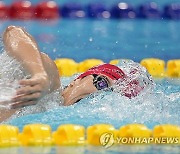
(95, 150)
(107, 40)
(159, 106)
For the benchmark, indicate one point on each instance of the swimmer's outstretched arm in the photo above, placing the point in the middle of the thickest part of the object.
(44, 74)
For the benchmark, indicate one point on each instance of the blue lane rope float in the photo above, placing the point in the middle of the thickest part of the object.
(25, 10)
(123, 10)
(149, 10)
(72, 10)
(97, 10)
(172, 11)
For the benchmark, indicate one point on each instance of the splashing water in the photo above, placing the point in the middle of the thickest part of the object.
(11, 71)
(9, 76)
(137, 79)
(107, 107)
(155, 104)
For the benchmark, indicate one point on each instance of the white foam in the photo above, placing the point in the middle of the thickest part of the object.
(155, 104)
(11, 72)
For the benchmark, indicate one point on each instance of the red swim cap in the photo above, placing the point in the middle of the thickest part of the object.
(108, 70)
(131, 89)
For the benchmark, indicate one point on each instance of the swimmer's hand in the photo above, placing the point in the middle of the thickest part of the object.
(31, 91)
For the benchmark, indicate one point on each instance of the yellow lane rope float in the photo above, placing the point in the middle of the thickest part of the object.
(96, 135)
(156, 67)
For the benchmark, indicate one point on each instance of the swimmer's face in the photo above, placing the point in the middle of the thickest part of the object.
(80, 88)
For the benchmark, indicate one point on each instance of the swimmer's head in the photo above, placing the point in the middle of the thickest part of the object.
(102, 77)
(97, 78)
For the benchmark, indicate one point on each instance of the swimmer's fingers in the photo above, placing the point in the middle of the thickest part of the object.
(30, 82)
(25, 98)
(5, 103)
(22, 104)
(28, 90)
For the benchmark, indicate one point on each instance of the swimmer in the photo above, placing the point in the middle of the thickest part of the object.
(45, 76)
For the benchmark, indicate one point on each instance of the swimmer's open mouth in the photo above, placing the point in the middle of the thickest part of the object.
(78, 100)
(80, 97)
(75, 100)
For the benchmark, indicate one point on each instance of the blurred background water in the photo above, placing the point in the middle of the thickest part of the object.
(105, 39)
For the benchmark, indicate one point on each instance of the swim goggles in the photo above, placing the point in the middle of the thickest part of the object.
(100, 82)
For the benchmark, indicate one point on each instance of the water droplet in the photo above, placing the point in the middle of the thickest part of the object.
(54, 50)
(90, 39)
